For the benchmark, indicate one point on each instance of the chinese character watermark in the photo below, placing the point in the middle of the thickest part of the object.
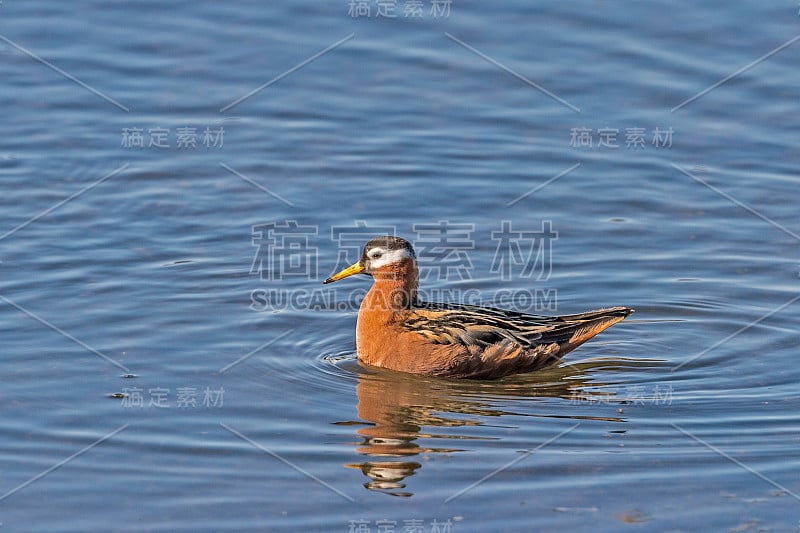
(185, 138)
(411, 525)
(532, 250)
(289, 249)
(630, 394)
(442, 249)
(635, 138)
(284, 251)
(393, 9)
(161, 398)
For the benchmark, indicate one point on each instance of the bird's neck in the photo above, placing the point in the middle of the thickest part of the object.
(394, 288)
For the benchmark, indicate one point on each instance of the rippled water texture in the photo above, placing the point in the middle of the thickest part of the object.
(172, 362)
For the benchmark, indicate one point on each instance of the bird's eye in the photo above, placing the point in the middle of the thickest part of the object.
(376, 255)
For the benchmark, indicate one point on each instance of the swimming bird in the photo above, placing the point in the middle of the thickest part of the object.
(396, 330)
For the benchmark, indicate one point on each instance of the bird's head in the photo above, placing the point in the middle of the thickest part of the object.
(384, 257)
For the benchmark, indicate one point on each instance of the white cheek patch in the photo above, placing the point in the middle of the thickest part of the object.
(387, 257)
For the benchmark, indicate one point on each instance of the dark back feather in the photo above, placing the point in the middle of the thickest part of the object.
(469, 325)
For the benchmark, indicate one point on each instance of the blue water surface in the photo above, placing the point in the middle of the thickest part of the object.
(178, 178)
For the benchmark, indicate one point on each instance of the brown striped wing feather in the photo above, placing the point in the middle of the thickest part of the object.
(500, 342)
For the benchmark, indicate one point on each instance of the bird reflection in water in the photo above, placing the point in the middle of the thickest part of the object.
(400, 412)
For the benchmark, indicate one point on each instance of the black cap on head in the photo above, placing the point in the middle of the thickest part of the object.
(390, 243)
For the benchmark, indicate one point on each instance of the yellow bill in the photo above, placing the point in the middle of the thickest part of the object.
(353, 269)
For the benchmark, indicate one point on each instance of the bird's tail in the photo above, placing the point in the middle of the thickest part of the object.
(577, 329)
